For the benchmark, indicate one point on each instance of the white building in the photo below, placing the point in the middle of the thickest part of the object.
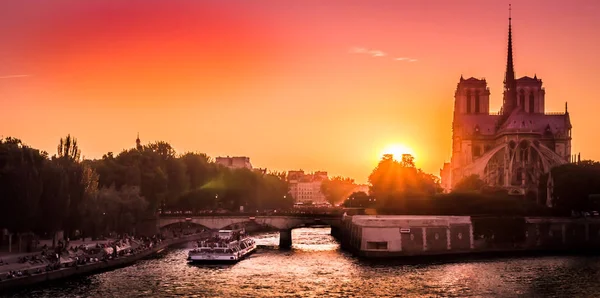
(306, 188)
(236, 162)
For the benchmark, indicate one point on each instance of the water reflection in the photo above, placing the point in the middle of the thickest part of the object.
(316, 267)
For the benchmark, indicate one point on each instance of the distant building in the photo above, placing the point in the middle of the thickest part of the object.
(510, 149)
(306, 188)
(236, 162)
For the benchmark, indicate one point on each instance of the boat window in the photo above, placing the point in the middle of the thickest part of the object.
(377, 245)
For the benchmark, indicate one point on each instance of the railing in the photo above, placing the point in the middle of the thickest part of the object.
(554, 113)
(303, 213)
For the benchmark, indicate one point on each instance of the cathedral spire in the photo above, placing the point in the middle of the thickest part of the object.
(510, 71)
(510, 84)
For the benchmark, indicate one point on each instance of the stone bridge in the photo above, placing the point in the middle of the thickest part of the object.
(283, 223)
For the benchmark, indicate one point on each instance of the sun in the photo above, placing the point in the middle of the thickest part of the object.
(397, 150)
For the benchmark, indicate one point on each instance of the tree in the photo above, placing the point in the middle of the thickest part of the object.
(163, 149)
(469, 183)
(197, 199)
(21, 185)
(359, 199)
(68, 149)
(573, 185)
(394, 183)
(177, 180)
(337, 189)
(117, 210)
(198, 169)
(79, 181)
(273, 193)
(54, 201)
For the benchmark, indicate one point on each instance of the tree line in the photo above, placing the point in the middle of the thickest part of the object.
(398, 187)
(44, 194)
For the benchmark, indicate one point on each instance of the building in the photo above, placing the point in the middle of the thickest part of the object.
(237, 162)
(511, 148)
(410, 236)
(306, 188)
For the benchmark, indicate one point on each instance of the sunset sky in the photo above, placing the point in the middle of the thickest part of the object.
(313, 85)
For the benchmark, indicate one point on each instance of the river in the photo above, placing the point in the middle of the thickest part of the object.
(316, 267)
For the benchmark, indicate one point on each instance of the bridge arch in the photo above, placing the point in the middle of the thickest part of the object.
(284, 224)
(220, 222)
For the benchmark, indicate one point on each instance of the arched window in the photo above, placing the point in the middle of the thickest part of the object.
(468, 101)
(477, 102)
(531, 103)
(522, 99)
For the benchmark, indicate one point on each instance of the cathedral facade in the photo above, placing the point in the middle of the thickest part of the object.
(511, 148)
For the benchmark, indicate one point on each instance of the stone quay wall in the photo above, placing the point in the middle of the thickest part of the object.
(7, 284)
(397, 235)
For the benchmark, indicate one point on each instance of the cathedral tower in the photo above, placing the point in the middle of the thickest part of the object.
(472, 96)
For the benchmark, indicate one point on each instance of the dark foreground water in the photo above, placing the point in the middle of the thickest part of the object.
(316, 267)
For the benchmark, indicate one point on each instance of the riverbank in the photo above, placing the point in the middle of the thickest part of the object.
(89, 268)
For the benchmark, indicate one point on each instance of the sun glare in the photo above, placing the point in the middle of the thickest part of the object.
(397, 150)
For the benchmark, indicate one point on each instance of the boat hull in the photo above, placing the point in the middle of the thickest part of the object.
(221, 258)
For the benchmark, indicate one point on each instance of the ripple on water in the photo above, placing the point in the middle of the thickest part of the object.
(315, 267)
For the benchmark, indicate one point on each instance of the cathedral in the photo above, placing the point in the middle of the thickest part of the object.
(512, 148)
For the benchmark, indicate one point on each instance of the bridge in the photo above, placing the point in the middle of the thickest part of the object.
(283, 223)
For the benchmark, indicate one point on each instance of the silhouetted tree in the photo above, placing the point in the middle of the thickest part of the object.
(81, 180)
(573, 185)
(469, 183)
(337, 189)
(112, 193)
(395, 183)
(68, 149)
(359, 199)
(198, 169)
(21, 185)
(54, 201)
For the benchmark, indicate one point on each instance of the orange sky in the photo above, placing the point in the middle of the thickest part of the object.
(282, 81)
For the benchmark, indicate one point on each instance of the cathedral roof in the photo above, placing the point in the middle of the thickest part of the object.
(484, 123)
(521, 121)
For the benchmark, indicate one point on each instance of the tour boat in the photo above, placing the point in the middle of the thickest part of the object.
(224, 246)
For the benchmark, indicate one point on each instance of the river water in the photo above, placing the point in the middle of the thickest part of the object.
(316, 267)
